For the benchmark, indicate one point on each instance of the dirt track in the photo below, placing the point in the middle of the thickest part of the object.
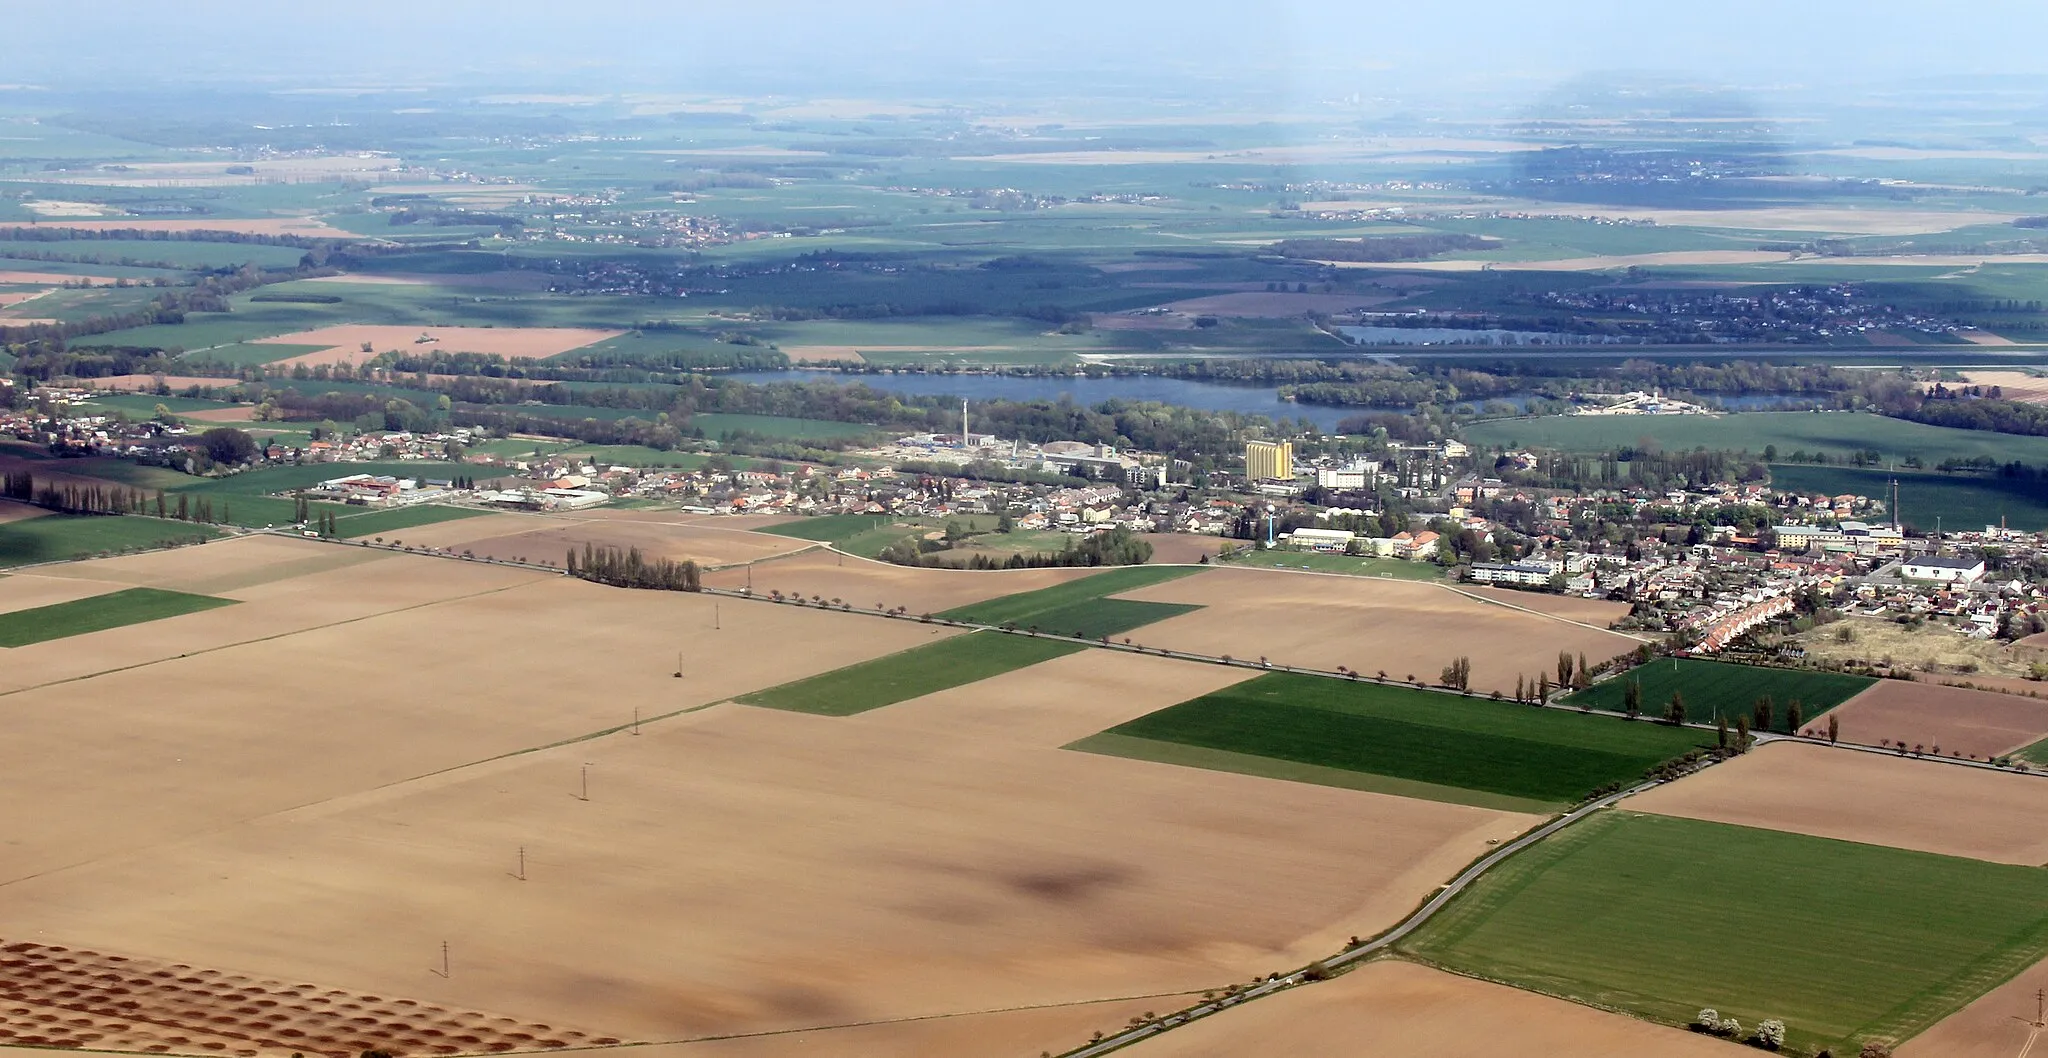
(1877, 800)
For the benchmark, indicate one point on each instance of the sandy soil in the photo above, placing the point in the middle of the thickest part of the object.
(1868, 797)
(1367, 624)
(1275, 304)
(1400, 1010)
(26, 591)
(307, 226)
(549, 539)
(1995, 1026)
(345, 343)
(1984, 723)
(2015, 385)
(864, 582)
(1597, 612)
(1985, 338)
(1183, 547)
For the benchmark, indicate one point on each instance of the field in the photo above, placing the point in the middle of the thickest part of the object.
(1842, 941)
(1367, 624)
(1718, 689)
(1852, 796)
(1957, 720)
(344, 344)
(726, 869)
(1348, 564)
(549, 538)
(1952, 500)
(1082, 608)
(1597, 612)
(911, 674)
(1439, 746)
(377, 523)
(1934, 649)
(777, 427)
(98, 613)
(1837, 433)
(881, 585)
(57, 537)
(1394, 1009)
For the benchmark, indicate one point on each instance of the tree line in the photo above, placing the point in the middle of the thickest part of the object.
(631, 569)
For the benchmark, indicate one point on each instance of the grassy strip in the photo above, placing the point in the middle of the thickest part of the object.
(1109, 744)
(61, 537)
(1662, 916)
(910, 674)
(2038, 752)
(98, 613)
(1490, 747)
(1716, 687)
(384, 521)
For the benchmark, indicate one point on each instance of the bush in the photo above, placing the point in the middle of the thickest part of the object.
(1770, 1034)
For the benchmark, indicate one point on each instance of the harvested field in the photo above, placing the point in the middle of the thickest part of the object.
(311, 227)
(134, 1004)
(11, 511)
(246, 413)
(548, 538)
(146, 383)
(2013, 385)
(956, 875)
(865, 582)
(1597, 612)
(1002, 1034)
(1182, 548)
(1367, 624)
(1854, 796)
(47, 278)
(1995, 1026)
(25, 591)
(1394, 1009)
(1960, 721)
(343, 344)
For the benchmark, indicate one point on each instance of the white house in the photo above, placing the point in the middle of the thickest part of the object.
(1943, 569)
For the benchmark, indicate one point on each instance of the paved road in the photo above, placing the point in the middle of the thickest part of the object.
(1385, 940)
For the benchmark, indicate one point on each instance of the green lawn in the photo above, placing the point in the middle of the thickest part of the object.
(1716, 687)
(1082, 607)
(384, 521)
(777, 427)
(113, 610)
(1836, 433)
(1958, 501)
(1422, 743)
(1662, 916)
(60, 537)
(910, 674)
(1348, 564)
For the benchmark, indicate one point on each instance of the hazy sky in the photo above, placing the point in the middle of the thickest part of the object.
(864, 46)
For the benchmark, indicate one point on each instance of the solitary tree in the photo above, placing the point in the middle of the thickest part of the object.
(1583, 675)
(1720, 730)
(1565, 668)
(1674, 711)
(1542, 687)
(1632, 698)
(1762, 713)
(1521, 690)
(1741, 733)
(1793, 717)
(1834, 728)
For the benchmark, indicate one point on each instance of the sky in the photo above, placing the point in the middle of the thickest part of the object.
(914, 46)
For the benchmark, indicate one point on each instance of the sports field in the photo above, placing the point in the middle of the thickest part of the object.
(913, 673)
(57, 537)
(1716, 688)
(1661, 916)
(1082, 607)
(98, 613)
(1399, 740)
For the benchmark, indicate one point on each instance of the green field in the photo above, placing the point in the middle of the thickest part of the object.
(1081, 607)
(2038, 753)
(1662, 916)
(910, 674)
(1351, 565)
(1716, 688)
(61, 537)
(1959, 501)
(1836, 433)
(113, 610)
(1400, 740)
(776, 427)
(384, 521)
(868, 535)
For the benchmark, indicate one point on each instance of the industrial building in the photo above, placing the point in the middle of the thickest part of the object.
(1269, 460)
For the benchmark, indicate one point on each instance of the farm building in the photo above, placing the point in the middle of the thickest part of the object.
(1943, 569)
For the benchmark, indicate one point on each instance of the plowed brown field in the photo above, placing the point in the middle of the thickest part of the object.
(345, 343)
(865, 583)
(1400, 1010)
(1365, 623)
(1995, 1026)
(1871, 798)
(1960, 721)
